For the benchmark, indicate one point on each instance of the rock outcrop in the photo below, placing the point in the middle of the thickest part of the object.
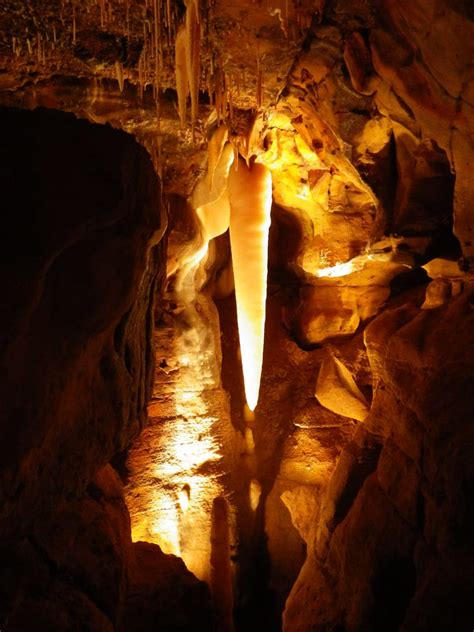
(390, 541)
(80, 265)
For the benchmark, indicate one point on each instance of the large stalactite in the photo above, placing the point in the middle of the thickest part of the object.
(250, 196)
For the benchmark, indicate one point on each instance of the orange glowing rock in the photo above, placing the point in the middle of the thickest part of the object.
(336, 390)
(250, 197)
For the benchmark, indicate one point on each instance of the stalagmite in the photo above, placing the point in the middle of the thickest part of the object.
(182, 85)
(255, 491)
(74, 25)
(221, 573)
(250, 196)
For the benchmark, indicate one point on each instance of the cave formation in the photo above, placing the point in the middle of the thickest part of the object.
(237, 324)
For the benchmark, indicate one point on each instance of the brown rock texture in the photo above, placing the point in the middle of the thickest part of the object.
(386, 545)
(163, 594)
(79, 276)
(79, 269)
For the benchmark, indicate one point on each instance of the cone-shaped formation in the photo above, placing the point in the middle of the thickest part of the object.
(193, 55)
(182, 87)
(250, 196)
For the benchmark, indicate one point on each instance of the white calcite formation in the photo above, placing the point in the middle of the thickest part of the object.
(250, 196)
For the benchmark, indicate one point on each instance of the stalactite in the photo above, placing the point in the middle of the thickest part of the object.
(193, 54)
(215, 148)
(74, 26)
(210, 90)
(250, 196)
(141, 80)
(213, 210)
(230, 102)
(204, 196)
(258, 96)
(158, 56)
(218, 94)
(156, 35)
(182, 84)
(158, 119)
(119, 74)
(169, 20)
(127, 16)
(38, 50)
(235, 149)
(221, 575)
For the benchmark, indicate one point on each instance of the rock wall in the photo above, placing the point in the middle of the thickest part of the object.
(79, 266)
(390, 545)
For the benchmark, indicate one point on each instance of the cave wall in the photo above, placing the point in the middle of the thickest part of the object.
(380, 91)
(81, 260)
(78, 229)
(390, 545)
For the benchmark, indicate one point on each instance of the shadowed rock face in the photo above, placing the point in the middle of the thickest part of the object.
(79, 268)
(78, 275)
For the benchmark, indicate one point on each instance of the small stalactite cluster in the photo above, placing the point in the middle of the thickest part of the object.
(174, 45)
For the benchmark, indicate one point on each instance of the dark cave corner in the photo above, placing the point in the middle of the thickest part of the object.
(79, 272)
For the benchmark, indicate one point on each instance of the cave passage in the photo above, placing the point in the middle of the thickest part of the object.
(236, 324)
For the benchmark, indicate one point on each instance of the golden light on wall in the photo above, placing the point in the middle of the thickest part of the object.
(176, 465)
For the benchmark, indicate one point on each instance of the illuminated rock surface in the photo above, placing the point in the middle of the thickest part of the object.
(337, 391)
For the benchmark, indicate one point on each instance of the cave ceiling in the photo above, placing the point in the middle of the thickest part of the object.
(115, 62)
(320, 92)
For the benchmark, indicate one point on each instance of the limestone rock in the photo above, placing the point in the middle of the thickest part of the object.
(438, 292)
(443, 268)
(75, 331)
(358, 62)
(341, 297)
(337, 391)
(163, 594)
(302, 503)
(381, 535)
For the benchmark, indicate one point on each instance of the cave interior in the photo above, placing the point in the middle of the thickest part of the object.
(237, 325)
